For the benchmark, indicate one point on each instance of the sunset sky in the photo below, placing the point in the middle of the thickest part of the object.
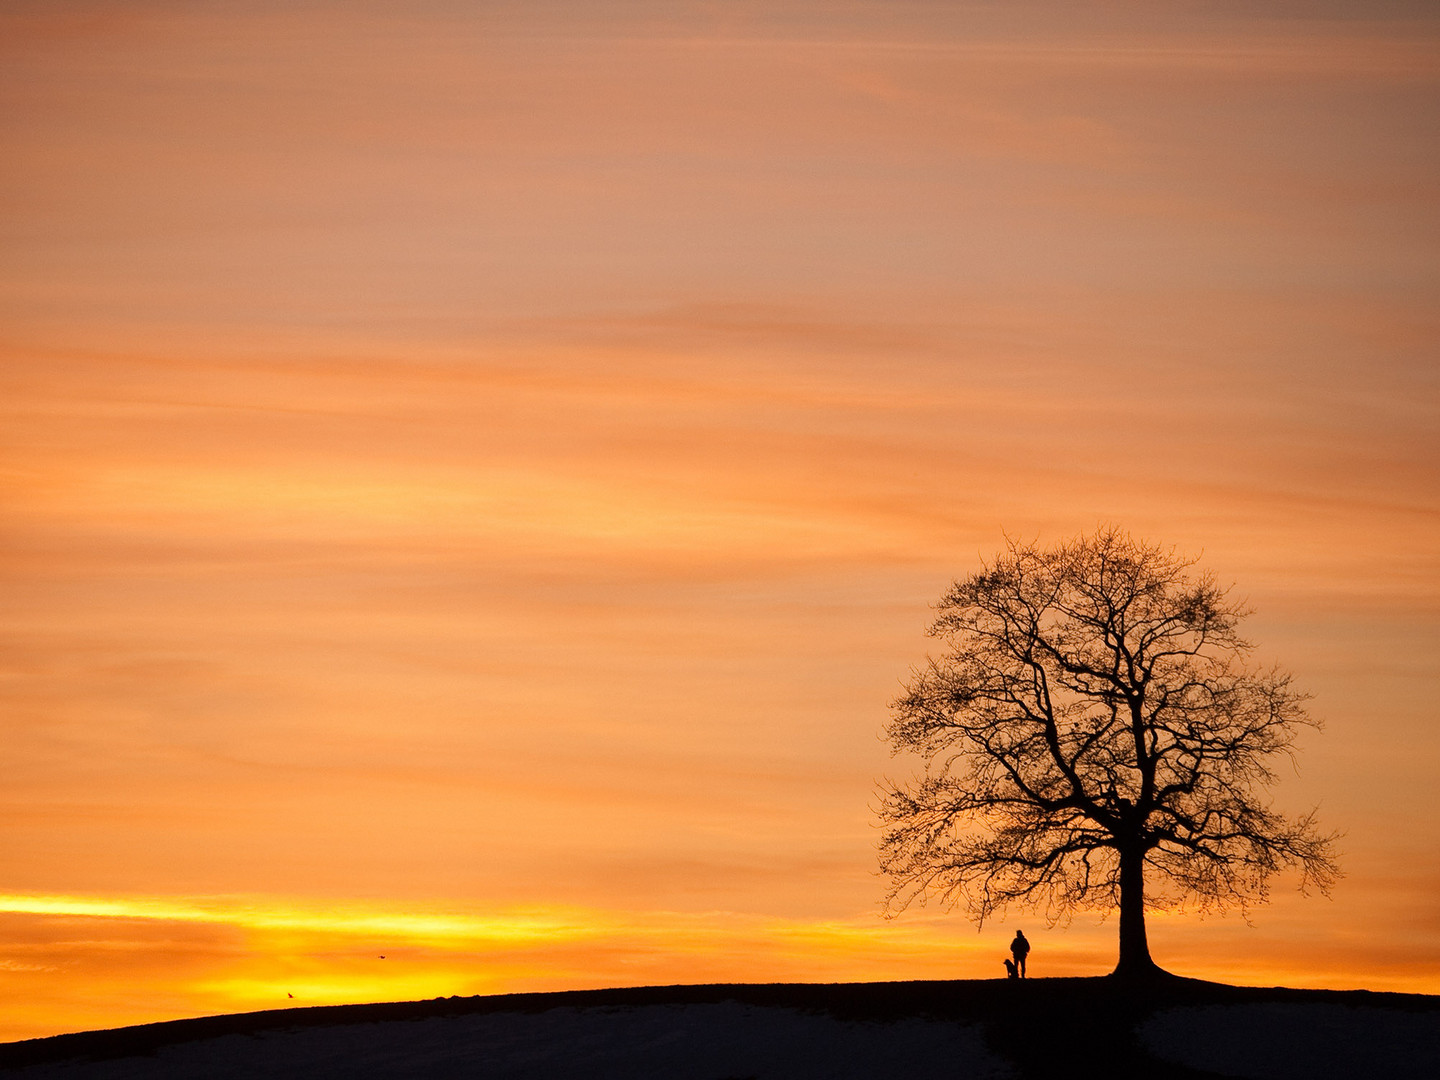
(475, 474)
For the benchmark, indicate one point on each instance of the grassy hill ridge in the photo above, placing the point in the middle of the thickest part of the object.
(1074, 1027)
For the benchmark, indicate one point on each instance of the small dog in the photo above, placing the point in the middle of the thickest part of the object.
(1010, 970)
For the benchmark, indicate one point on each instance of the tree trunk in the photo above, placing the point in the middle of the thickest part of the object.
(1135, 962)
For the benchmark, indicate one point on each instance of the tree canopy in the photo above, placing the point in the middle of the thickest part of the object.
(1095, 736)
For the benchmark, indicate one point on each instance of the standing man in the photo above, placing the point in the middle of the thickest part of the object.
(1020, 948)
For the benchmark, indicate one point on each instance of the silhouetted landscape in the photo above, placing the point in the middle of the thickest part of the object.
(1087, 1027)
(728, 503)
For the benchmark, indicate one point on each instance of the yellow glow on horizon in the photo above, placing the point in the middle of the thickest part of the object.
(154, 958)
(315, 916)
(682, 932)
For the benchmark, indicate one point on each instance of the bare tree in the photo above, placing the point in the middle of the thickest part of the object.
(1094, 722)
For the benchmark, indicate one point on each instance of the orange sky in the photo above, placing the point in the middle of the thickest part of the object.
(489, 464)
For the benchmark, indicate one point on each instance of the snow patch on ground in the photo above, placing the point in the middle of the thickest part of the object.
(1278, 1041)
(725, 1041)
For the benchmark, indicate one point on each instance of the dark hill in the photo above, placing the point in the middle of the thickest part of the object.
(1051, 1028)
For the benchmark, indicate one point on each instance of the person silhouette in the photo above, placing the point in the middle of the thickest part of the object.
(1020, 948)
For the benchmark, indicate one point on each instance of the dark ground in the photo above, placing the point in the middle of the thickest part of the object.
(1044, 1028)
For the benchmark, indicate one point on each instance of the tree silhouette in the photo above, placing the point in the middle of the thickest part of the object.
(1094, 723)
